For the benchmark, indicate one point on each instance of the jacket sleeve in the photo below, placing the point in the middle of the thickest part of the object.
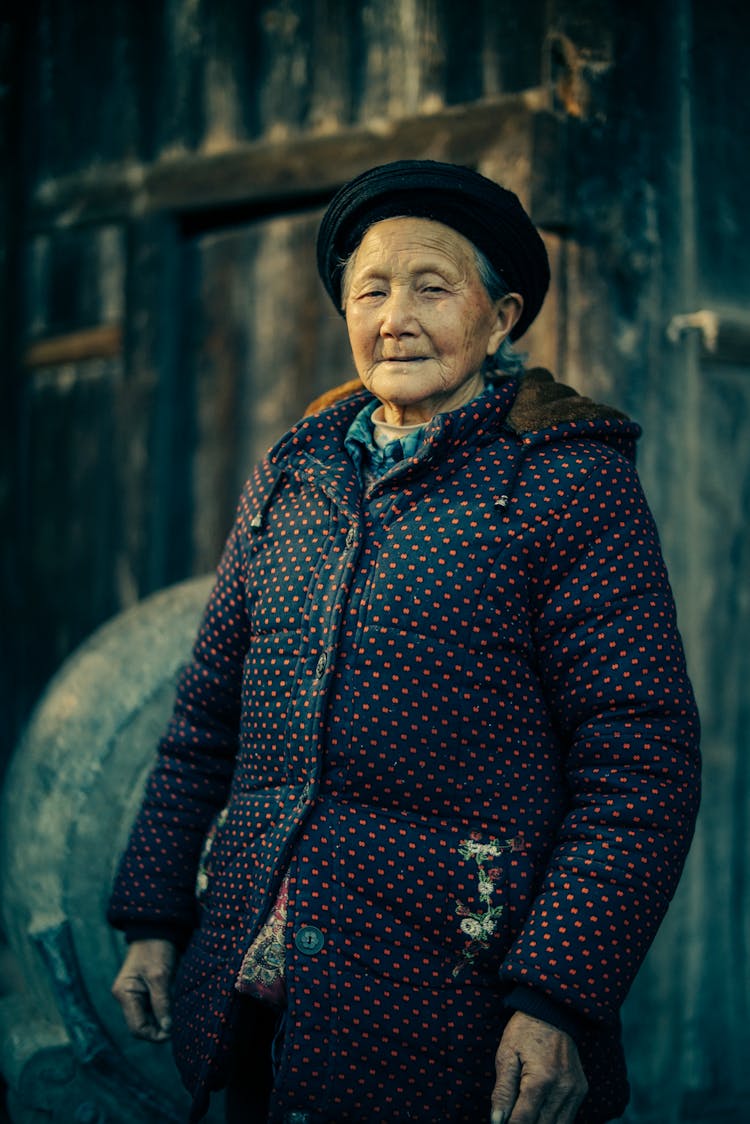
(613, 671)
(154, 890)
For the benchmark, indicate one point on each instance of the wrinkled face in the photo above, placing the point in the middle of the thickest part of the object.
(420, 321)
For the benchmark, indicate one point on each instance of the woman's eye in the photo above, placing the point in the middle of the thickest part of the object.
(433, 289)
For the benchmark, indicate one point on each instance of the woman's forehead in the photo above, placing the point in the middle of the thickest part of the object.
(413, 241)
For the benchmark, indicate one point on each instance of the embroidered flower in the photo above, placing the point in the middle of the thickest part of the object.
(479, 926)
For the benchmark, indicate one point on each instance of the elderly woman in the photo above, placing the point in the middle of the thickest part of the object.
(434, 760)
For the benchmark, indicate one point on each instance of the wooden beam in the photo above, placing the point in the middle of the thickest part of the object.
(307, 167)
(102, 342)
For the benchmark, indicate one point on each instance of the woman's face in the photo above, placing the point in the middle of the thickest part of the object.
(419, 318)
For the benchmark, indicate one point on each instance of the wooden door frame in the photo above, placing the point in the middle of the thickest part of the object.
(517, 138)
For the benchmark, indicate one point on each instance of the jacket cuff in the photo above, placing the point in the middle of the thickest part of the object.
(157, 931)
(540, 1006)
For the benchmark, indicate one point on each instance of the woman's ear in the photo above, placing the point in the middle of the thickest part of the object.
(509, 309)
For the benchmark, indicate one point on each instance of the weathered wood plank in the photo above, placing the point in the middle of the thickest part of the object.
(308, 165)
(101, 342)
(186, 76)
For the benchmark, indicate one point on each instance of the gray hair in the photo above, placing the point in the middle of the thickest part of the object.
(506, 359)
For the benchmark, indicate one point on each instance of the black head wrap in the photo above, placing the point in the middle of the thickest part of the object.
(488, 215)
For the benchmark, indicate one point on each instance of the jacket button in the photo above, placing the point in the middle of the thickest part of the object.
(351, 535)
(321, 666)
(309, 940)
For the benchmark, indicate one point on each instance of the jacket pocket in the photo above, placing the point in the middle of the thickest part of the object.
(228, 866)
(205, 868)
(415, 901)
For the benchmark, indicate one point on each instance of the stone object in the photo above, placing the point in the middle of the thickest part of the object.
(71, 794)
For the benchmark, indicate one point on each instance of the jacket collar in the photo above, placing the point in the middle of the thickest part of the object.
(317, 444)
(535, 408)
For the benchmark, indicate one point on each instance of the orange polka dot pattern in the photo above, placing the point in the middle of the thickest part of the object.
(483, 646)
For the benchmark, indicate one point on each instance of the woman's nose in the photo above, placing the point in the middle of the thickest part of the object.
(397, 313)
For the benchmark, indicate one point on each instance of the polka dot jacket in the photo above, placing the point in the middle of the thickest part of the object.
(455, 709)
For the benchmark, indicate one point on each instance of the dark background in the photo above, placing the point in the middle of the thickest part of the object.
(164, 165)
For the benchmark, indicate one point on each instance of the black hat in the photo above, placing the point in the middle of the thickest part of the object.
(488, 215)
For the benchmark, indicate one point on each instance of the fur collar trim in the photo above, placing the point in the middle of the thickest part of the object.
(542, 402)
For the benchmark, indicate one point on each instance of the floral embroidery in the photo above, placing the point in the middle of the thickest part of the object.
(479, 926)
(262, 971)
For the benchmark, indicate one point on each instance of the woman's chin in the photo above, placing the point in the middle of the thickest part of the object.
(404, 383)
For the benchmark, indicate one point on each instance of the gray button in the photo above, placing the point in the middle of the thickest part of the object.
(309, 940)
(321, 665)
(351, 535)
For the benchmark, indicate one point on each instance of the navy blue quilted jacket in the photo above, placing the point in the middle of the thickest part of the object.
(456, 708)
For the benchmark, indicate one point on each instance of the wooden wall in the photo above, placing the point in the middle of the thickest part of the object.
(167, 164)
(166, 156)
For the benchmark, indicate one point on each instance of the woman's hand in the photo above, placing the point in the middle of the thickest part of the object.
(142, 988)
(539, 1079)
